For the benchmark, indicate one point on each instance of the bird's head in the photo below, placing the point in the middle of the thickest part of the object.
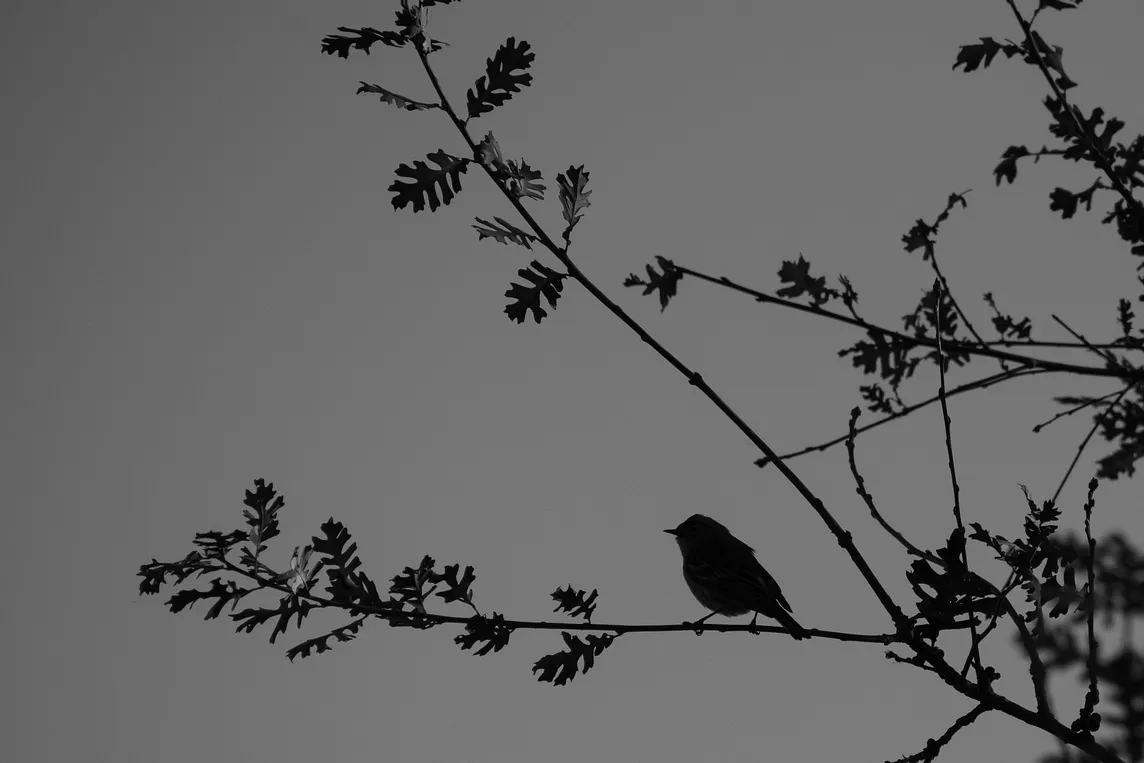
(698, 529)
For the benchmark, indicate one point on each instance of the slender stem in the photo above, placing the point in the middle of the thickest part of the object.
(933, 746)
(1097, 158)
(1093, 695)
(860, 488)
(983, 383)
(1092, 430)
(1071, 411)
(1063, 345)
(974, 644)
(922, 341)
(956, 306)
(1106, 356)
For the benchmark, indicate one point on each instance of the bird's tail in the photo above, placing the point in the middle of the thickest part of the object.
(786, 619)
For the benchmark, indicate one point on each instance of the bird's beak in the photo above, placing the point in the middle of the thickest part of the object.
(672, 531)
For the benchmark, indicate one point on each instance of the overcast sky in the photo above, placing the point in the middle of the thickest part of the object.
(205, 283)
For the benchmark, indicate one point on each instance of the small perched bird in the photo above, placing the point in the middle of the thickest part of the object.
(725, 577)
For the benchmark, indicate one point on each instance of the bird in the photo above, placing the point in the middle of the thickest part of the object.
(726, 578)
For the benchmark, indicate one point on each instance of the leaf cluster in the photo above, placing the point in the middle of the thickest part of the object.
(333, 552)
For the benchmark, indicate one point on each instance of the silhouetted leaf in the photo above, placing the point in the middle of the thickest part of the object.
(1005, 325)
(575, 603)
(333, 544)
(562, 667)
(362, 39)
(400, 101)
(519, 179)
(665, 283)
(222, 592)
(849, 296)
(447, 176)
(504, 232)
(947, 596)
(886, 356)
(456, 590)
(500, 80)
(982, 54)
(409, 586)
(546, 283)
(1007, 168)
(573, 197)
(288, 606)
(1125, 317)
(215, 544)
(522, 181)
(1066, 202)
(262, 513)
(321, 644)
(876, 398)
(490, 630)
(797, 275)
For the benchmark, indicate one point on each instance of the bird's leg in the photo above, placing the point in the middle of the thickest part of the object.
(754, 628)
(700, 621)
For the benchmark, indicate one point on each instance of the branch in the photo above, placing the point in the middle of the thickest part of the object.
(544, 625)
(1106, 356)
(1095, 425)
(922, 341)
(983, 383)
(1098, 159)
(1087, 404)
(932, 257)
(1088, 720)
(1037, 672)
(933, 746)
(974, 644)
(844, 538)
(986, 696)
(860, 482)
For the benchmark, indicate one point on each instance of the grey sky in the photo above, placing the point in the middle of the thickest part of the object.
(205, 283)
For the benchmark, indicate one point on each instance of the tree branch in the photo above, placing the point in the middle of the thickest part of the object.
(964, 347)
(933, 746)
(983, 383)
(1098, 159)
(845, 540)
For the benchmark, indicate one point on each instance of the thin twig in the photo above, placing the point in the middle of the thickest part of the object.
(974, 646)
(1106, 356)
(860, 483)
(921, 341)
(983, 383)
(1098, 159)
(1037, 673)
(932, 257)
(933, 746)
(1071, 411)
(1092, 430)
(1092, 697)
(1061, 345)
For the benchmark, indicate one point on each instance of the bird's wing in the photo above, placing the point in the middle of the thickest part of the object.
(769, 585)
(707, 571)
(749, 577)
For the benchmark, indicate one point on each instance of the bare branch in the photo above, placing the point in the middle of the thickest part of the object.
(933, 746)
